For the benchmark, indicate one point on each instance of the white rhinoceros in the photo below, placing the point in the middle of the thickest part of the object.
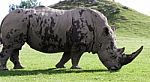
(70, 31)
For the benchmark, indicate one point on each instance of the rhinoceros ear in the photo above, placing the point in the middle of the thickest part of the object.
(120, 50)
(113, 27)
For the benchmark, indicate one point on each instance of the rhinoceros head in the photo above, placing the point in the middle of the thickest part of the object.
(116, 62)
(112, 57)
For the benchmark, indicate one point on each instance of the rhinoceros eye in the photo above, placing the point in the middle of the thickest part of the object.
(113, 56)
(112, 45)
(106, 31)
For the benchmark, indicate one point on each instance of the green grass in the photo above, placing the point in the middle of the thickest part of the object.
(40, 67)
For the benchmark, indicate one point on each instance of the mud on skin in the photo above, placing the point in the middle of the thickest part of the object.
(70, 31)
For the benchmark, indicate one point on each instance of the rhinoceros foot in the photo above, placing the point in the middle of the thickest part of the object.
(3, 68)
(18, 67)
(60, 66)
(75, 67)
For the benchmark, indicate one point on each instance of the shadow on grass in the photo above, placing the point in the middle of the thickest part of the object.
(46, 71)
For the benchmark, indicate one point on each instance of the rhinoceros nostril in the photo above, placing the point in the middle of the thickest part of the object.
(113, 68)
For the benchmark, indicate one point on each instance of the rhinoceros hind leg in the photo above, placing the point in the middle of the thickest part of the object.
(65, 58)
(4, 56)
(15, 59)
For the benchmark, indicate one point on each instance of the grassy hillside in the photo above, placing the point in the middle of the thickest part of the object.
(136, 25)
(128, 21)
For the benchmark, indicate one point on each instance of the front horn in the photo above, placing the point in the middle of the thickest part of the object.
(128, 58)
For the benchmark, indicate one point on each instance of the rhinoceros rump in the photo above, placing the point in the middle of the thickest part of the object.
(70, 31)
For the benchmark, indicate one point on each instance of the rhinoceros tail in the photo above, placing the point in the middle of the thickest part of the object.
(0, 36)
(1, 33)
(1, 45)
(0, 30)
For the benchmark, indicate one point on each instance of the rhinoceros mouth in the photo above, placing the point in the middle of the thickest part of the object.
(114, 68)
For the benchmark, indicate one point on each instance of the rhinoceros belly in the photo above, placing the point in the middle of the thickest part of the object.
(48, 34)
(48, 43)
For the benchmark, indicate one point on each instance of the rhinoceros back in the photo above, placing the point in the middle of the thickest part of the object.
(52, 30)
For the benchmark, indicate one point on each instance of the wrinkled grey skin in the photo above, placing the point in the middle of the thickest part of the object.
(70, 31)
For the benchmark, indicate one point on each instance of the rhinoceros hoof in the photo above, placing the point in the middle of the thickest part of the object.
(60, 66)
(75, 67)
(3, 69)
(18, 67)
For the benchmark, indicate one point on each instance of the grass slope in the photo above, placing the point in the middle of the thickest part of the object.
(132, 31)
(136, 25)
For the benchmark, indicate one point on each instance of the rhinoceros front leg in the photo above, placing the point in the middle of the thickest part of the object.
(65, 58)
(75, 57)
(15, 59)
